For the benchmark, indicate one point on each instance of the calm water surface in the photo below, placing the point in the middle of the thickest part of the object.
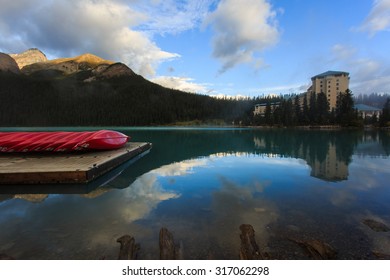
(202, 184)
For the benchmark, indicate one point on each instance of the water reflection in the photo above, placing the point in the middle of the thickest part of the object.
(202, 184)
(212, 203)
(77, 226)
(235, 204)
(326, 166)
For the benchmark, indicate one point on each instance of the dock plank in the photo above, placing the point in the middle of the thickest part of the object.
(19, 168)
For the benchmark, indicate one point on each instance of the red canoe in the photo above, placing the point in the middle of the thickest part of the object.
(61, 141)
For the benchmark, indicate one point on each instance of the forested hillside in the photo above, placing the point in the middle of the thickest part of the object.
(48, 99)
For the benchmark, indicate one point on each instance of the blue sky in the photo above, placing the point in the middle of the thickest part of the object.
(215, 47)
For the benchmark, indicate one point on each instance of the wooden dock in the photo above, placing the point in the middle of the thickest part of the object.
(64, 168)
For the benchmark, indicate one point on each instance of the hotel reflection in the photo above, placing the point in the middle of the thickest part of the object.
(328, 169)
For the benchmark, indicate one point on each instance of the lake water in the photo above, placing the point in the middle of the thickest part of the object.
(291, 185)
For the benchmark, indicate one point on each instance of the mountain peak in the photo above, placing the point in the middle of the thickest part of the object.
(68, 65)
(35, 61)
(91, 58)
(29, 57)
(88, 58)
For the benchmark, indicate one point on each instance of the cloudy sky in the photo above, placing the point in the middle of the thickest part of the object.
(228, 47)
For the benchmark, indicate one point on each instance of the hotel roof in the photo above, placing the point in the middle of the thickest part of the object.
(364, 107)
(330, 73)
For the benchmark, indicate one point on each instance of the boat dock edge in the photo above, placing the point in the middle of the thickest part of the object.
(64, 168)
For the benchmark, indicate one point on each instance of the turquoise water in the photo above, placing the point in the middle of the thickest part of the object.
(202, 184)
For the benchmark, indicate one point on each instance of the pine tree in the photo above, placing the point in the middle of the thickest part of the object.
(322, 109)
(268, 114)
(297, 111)
(288, 112)
(313, 116)
(384, 118)
(346, 115)
(305, 112)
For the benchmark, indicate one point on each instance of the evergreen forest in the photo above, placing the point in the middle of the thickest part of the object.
(50, 100)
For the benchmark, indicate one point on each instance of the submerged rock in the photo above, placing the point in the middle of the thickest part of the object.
(376, 226)
(317, 249)
(381, 256)
(6, 257)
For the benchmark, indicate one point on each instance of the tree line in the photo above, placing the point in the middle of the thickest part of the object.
(120, 101)
(373, 99)
(47, 100)
(315, 110)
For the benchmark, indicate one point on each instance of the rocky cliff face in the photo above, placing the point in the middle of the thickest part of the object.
(117, 70)
(7, 63)
(85, 62)
(33, 61)
(106, 71)
(29, 57)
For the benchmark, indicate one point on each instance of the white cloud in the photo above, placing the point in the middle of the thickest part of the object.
(284, 89)
(137, 51)
(378, 19)
(379, 84)
(242, 30)
(342, 52)
(181, 83)
(171, 16)
(367, 74)
(66, 28)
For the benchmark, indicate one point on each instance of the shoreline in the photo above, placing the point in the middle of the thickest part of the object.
(183, 126)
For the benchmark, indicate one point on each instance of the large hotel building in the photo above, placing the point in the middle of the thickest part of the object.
(331, 83)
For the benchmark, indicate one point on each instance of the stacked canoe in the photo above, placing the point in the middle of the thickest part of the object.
(61, 141)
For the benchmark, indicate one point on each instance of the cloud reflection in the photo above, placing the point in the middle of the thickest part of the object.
(207, 224)
(78, 227)
(180, 168)
(202, 202)
(143, 196)
(234, 204)
(362, 179)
